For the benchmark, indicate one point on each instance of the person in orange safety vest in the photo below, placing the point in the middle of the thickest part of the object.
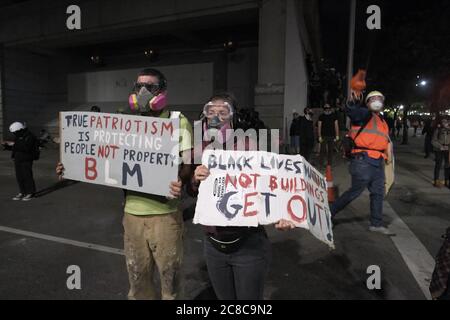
(371, 150)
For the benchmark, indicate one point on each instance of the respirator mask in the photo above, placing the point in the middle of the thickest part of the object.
(147, 97)
(376, 105)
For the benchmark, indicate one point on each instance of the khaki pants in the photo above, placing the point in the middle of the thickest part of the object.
(153, 240)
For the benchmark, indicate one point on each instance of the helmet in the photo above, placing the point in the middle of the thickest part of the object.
(16, 126)
(374, 94)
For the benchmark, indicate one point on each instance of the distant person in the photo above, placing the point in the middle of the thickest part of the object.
(398, 127)
(25, 150)
(294, 133)
(415, 125)
(95, 109)
(307, 139)
(328, 131)
(428, 131)
(441, 143)
(44, 138)
(342, 118)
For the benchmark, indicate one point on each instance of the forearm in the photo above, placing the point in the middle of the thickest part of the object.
(357, 113)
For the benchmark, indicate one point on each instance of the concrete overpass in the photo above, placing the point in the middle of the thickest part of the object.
(46, 68)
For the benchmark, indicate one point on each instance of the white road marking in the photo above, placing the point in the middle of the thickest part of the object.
(63, 240)
(413, 252)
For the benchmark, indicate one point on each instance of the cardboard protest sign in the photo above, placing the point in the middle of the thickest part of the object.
(129, 152)
(389, 173)
(248, 188)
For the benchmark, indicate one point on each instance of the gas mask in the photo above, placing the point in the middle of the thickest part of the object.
(147, 98)
(376, 105)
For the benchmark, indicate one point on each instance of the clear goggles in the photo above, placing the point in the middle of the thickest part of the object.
(223, 111)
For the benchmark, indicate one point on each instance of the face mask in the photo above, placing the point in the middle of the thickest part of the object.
(19, 133)
(145, 101)
(328, 112)
(376, 105)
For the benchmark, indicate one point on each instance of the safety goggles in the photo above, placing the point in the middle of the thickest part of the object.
(224, 114)
(153, 88)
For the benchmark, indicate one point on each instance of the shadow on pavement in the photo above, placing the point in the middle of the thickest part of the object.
(207, 294)
(55, 187)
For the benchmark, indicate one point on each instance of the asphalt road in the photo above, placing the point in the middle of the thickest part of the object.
(80, 224)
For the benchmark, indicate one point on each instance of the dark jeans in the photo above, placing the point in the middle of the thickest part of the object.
(441, 157)
(240, 275)
(24, 176)
(364, 175)
(327, 148)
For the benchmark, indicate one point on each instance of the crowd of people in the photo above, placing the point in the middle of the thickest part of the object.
(237, 258)
(331, 126)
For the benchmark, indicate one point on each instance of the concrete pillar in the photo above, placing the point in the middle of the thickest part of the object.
(282, 75)
(296, 81)
(269, 91)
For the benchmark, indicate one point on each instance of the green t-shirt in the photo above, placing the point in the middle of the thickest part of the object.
(142, 204)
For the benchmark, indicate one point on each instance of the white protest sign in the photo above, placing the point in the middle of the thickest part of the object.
(248, 188)
(129, 152)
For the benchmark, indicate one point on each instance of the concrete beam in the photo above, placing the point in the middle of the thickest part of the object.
(45, 21)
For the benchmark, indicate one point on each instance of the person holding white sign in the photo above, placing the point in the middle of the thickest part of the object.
(153, 224)
(237, 257)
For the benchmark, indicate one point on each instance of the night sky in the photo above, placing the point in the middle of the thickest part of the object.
(414, 40)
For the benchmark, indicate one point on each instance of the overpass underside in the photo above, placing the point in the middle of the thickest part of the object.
(46, 68)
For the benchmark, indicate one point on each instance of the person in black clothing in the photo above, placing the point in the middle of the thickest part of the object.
(307, 134)
(328, 134)
(294, 133)
(24, 151)
(391, 124)
(398, 127)
(95, 109)
(428, 131)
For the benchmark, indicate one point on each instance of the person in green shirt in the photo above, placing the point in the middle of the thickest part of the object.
(153, 224)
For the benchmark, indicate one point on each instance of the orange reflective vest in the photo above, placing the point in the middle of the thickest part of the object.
(373, 139)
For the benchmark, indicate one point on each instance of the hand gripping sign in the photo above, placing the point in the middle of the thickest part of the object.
(129, 152)
(248, 188)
